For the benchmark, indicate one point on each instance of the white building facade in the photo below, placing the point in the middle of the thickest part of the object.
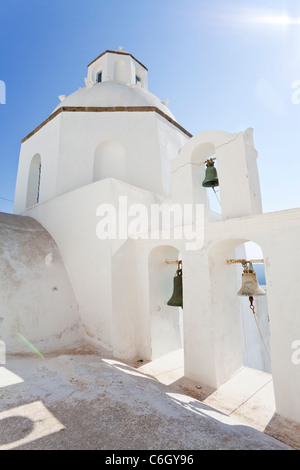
(112, 141)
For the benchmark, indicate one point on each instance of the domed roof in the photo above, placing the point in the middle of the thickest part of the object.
(112, 94)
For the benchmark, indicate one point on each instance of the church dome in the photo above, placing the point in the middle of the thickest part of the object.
(111, 94)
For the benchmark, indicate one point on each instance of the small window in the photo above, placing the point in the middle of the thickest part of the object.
(39, 184)
(34, 181)
(99, 77)
(138, 80)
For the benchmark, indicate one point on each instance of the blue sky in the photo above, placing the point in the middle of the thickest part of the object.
(225, 65)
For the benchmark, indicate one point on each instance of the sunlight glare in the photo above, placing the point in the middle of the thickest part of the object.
(8, 378)
(282, 20)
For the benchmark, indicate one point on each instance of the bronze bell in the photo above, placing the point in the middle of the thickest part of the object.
(176, 298)
(250, 286)
(211, 176)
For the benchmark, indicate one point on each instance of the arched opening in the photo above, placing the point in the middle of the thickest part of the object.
(110, 161)
(99, 77)
(120, 71)
(243, 332)
(211, 193)
(34, 181)
(255, 325)
(166, 321)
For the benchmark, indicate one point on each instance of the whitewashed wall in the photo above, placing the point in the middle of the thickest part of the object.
(68, 147)
(36, 297)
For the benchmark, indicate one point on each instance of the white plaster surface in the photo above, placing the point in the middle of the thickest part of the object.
(97, 402)
(121, 306)
(69, 149)
(36, 299)
(111, 94)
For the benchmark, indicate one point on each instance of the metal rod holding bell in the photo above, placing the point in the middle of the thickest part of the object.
(243, 261)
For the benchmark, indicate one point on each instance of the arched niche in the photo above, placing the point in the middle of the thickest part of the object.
(120, 71)
(34, 179)
(110, 161)
(166, 321)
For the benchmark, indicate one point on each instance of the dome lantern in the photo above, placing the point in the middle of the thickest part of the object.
(118, 66)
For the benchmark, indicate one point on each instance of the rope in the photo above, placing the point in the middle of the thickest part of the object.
(261, 336)
(216, 195)
(5, 199)
(214, 158)
(245, 341)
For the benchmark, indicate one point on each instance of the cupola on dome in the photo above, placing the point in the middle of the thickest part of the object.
(115, 79)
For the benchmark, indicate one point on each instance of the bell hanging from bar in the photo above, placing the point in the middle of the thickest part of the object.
(211, 176)
(250, 286)
(176, 299)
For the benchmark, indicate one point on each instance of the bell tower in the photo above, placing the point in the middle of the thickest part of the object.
(117, 66)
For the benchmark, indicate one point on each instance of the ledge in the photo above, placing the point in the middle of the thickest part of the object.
(96, 109)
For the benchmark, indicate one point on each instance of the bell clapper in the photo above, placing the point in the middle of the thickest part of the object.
(251, 300)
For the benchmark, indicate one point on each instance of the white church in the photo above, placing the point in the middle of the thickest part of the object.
(61, 283)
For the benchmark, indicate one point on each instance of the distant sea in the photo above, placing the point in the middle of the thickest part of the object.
(260, 273)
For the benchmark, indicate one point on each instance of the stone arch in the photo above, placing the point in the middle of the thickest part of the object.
(34, 180)
(166, 321)
(110, 161)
